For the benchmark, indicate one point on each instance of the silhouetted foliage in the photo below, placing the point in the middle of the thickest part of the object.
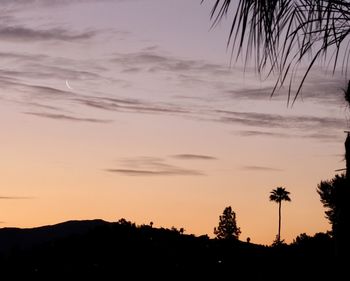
(335, 195)
(126, 223)
(321, 244)
(331, 196)
(278, 195)
(174, 229)
(301, 239)
(227, 228)
(278, 242)
(304, 239)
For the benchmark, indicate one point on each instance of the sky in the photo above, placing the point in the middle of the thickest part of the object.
(131, 109)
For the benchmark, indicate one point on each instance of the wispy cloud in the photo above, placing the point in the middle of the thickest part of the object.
(152, 61)
(52, 2)
(257, 119)
(67, 117)
(326, 91)
(47, 91)
(252, 133)
(218, 78)
(150, 166)
(261, 169)
(257, 93)
(36, 95)
(20, 33)
(325, 136)
(194, 157)
(32, 95)
(130, 105)
(44, 67)
(170, 172)
(39, 105)
(21, 56)
(15, 197)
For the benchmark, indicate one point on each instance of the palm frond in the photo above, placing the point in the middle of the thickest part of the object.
(284, 33)
(279, 194)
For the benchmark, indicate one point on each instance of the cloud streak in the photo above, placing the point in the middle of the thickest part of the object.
(255, 119)
(252, 133)
(20, 33)
(15, 197)
(326, 136)
(170, 172)
(154, 62)
(260, 169)
(51, 2)
(151, 166)
(259, 93)
(129, 105)
(194, 157)
(21, 56)
(67, 117)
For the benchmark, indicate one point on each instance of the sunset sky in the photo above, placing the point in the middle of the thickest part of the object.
(130, 108)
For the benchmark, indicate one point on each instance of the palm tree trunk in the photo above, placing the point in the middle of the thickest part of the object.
(347, 155)
(343, 228)
(279, 221)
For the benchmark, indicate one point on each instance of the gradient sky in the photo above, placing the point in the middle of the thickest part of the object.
(157, 126)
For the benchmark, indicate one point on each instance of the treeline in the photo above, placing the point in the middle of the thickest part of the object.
(116, 249)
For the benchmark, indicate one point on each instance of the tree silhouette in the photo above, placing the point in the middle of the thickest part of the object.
(330, 193)
(227, 228)
(278, 195)
(283, 33)
(334, 197)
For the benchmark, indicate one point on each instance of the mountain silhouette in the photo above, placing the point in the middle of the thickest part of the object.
(24, 239)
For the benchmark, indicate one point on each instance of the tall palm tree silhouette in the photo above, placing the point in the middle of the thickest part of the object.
(278, 195)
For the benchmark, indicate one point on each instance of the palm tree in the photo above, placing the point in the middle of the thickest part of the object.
(278, 195)
(282, 33)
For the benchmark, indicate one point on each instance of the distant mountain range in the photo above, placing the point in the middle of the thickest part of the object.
(15, 239)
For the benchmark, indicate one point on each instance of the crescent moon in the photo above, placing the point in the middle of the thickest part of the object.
(68, 86)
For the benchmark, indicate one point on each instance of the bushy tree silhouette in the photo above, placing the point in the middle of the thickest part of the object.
(334, 195)
(227, 228)
(330, 192)
(278, 195)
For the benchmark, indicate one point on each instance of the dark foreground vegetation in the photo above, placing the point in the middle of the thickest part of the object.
(102, 250)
